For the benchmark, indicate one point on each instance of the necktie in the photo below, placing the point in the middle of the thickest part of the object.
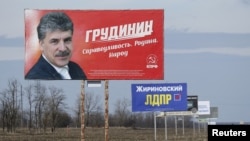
(65, 73)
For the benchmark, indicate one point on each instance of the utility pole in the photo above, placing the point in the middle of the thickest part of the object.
(21, 106)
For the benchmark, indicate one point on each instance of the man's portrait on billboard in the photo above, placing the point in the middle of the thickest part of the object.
(55, 33)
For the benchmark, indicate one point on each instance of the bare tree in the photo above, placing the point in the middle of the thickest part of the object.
(30, 98)
(77, 111)
(55, 104)
(92, 105)
(46, 119)
(121, 111)
(64, 119)
(3, 109)
(93, 110)
(97, 118)
(10, 105)
(40, 102)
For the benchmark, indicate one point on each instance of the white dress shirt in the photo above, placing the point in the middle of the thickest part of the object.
(63, 71)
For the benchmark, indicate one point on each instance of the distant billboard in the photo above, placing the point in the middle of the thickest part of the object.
(105, 44)
(214, 113)
(192, 103)
(204, 107)
(159, 97)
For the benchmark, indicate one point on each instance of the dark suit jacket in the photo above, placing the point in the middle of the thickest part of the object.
(43, 70)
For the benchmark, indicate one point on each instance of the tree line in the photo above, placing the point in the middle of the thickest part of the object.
(42, 108)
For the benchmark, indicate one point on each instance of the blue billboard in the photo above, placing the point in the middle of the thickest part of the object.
(159, 97)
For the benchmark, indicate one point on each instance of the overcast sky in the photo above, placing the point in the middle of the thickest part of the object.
(207, 45)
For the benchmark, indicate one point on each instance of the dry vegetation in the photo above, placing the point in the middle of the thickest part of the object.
(115, 134)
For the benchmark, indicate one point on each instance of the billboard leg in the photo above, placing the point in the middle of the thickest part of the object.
(155, 124)
(166, 129)
(82, 111)
(106, 116)
(183, 126)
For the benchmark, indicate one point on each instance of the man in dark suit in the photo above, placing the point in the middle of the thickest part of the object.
(55, 32)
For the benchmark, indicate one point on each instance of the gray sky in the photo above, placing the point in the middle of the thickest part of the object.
(207, 45)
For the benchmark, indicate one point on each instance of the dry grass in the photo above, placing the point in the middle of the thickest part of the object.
(97, 134)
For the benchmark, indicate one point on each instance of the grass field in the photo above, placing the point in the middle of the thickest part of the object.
(115, 134)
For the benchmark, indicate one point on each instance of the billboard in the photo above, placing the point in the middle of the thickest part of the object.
(105, 44)
(192, 103)
(214, 113)
(159, 97)
(204, 107)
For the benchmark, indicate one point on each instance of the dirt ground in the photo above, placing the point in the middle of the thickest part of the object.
(114, 134)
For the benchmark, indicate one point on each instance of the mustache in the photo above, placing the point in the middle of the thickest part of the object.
(63, 54)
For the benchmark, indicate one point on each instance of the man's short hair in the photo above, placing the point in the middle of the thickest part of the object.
(54, 21)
